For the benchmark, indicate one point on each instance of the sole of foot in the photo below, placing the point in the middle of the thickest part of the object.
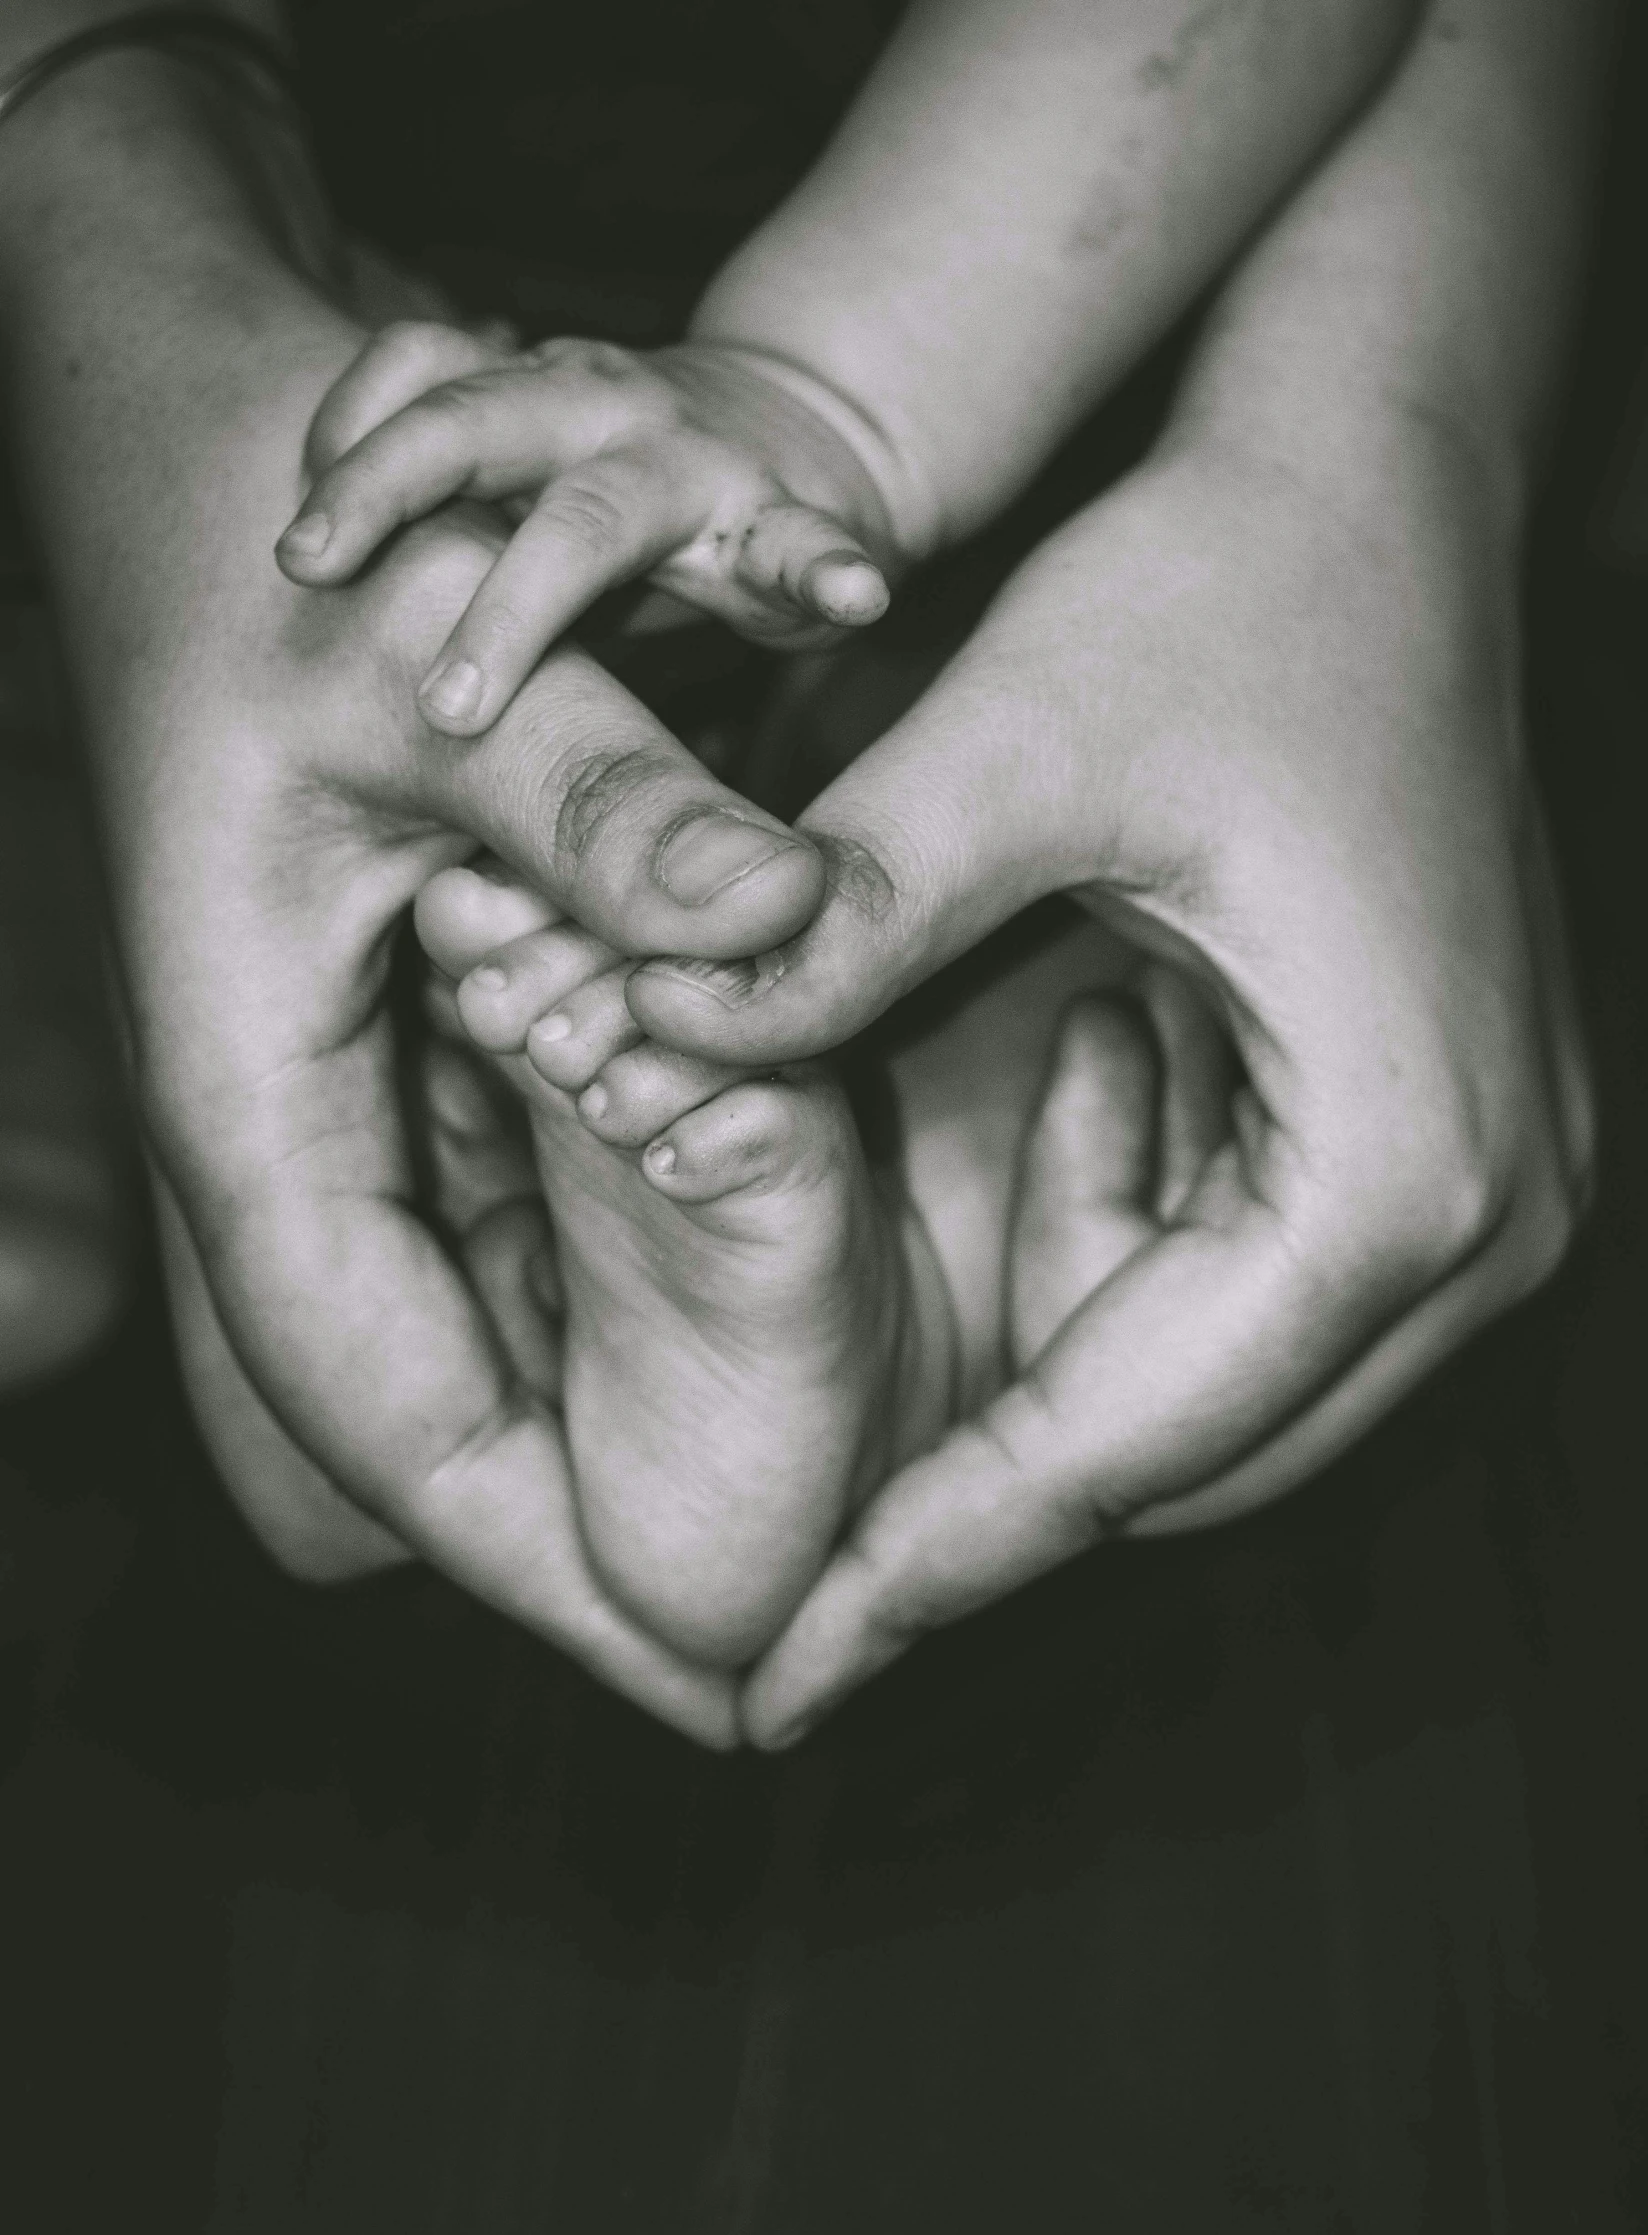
(741, 1327)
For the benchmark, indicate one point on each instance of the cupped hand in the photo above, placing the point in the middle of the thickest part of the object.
(1274, 740)
(271, 804)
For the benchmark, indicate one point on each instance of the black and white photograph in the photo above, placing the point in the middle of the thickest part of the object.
(823, 1117)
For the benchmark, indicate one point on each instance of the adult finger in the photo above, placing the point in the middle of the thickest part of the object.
(1221, 1365)
(581, 792)
(1086, 1182)
(592, 802)
(299, 1185)
(1199, 1081)
(413, 1411)
(301, 1519)
(964, 813)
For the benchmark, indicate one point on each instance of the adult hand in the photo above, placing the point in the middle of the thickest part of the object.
(270, 804)
(1275, 744)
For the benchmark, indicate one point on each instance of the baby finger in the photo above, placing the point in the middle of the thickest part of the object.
(608, 521)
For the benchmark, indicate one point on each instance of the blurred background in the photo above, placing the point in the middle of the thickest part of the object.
(1286, 1878)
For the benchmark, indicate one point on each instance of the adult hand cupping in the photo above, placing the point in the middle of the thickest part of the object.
(1276, 744)
(271, 803)
(1260, 707)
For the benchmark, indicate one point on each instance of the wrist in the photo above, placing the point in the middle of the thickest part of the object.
(1389, 460)
(876, 482)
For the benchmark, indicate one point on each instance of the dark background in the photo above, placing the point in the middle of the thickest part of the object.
(1287, 1878)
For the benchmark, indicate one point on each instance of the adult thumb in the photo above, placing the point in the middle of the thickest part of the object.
(965, 812)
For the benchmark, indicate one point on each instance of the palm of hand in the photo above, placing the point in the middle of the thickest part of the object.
(1275, 752)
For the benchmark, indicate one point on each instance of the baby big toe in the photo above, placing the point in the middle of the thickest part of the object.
(504, 996)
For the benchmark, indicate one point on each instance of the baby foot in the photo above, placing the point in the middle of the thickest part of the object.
(753, 1335)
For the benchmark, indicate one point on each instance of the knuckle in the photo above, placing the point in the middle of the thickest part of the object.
(308, 1551)
(1431, 1221)
(1440, 1186)
(579, 353)
(1550, 1211)
(1463, 1201)
(586, 514)
(412, 341)
(454, 400)
(1549, 1229)
(598, 796)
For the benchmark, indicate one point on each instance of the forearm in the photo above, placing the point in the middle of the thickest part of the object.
(153, 316)
(1025, 195)
(1408, 312)
(29, 26)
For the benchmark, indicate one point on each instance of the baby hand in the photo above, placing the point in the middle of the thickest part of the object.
(705, 470)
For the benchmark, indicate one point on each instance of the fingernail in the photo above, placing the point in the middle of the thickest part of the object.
(489, 977)
(308, 536)
(711, 853)
(848, 589)
(453, 691)
(592, 1103)
(660, 1157)
(556, 1026)
(731, 983)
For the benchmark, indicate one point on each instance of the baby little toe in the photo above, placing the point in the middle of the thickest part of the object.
(760, 1136)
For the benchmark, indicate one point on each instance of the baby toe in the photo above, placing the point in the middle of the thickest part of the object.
(761, 1136)
(504, 996)
(647, 1088)
(582, 1034)
(462, 914)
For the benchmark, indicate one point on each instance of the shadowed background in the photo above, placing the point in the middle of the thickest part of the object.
(1284, 1878)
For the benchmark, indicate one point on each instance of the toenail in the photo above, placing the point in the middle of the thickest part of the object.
(660, 1157)
(556, 1026)
(592, 1103)
(711, 853)
(454, 691)
(491, 977)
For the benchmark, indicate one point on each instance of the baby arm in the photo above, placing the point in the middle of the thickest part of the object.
(1026, 193)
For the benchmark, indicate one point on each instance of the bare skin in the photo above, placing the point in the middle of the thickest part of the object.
(747, 1326)
(754, 1331)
